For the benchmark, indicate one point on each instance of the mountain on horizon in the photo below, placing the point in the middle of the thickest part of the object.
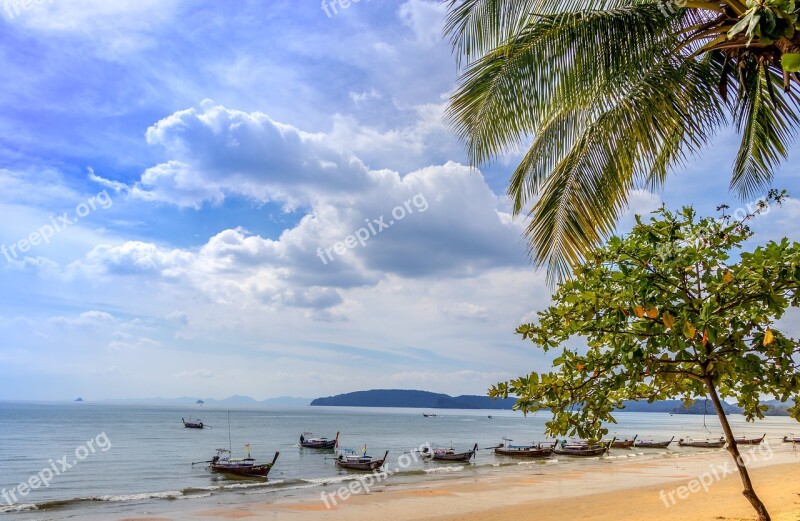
(414, 399)
(429, 400)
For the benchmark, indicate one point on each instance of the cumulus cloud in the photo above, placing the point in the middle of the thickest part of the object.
(436, 220)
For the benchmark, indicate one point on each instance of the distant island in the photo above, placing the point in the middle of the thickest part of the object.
(429, 400)
(417, 399)
(79, 399)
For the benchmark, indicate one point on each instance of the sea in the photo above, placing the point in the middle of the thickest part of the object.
(106, 461)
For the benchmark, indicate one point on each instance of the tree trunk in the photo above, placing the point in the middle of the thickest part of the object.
(748, 491)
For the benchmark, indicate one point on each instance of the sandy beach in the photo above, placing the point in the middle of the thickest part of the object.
(627, 488)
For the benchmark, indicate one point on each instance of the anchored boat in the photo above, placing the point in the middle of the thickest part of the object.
(317, 443)
(744, 440)
(702, 444)
(442, 454)
(650, 444)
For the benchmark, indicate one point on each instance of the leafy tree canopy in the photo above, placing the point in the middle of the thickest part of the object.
(674, 308)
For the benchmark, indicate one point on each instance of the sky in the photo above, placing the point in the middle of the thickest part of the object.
(179, 179)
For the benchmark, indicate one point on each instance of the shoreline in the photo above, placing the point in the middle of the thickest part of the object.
(592, 492)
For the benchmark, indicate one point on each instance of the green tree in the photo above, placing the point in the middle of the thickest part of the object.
(674, 309)
(611, 95)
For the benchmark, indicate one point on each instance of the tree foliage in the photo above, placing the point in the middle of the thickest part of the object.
(663, 311)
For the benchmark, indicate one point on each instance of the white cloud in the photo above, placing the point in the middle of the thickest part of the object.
(425, 19)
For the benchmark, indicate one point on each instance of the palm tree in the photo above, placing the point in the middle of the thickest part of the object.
(611, 95)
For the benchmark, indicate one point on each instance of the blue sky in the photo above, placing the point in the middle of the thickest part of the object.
(206, 154)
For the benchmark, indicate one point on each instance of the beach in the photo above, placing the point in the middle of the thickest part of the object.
(625, 488)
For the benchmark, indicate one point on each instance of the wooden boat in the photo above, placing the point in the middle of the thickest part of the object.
(791, 439)
(352, 461)
(317, 443)
(431, 415)
(240, 466)
(650, 444)
(193, 424)
(744, 440)
(702, 444)
(537, 450)
(623, 444)
(441, 454)
(566, 449)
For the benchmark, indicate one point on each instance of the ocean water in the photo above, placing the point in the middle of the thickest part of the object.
(106, 460)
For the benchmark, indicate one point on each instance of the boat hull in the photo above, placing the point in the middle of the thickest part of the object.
(537, 452)
(750, 441)
(653, 445)
(260, 471)
(461, 456)
(330, 444)
(595, 451)
(702, 444)
(372, 465)
(361, 465)
(787, 439)
(243, 470)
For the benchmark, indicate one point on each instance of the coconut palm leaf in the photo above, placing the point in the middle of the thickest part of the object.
(609, 96)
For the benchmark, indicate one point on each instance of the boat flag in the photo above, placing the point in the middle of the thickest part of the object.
(247, 449)
(364, 450)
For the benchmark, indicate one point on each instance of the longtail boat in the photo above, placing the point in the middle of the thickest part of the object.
(744, 440)
(791, 439)
(192, 424)
(429, 415)
(702, 444)
(536, 450)
(566, 449)
(240, 466)
(317, 443)
(352, 461)
(623, 444)
(442, 454)
(650, 444)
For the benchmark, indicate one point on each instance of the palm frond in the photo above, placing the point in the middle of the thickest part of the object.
(666, 114)
(767, 119)
(512, 90)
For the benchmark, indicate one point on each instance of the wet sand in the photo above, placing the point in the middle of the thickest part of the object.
(621, 489)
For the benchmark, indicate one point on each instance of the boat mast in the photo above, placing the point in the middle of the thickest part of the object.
(230, 445)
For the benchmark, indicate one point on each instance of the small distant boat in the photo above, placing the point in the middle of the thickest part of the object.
(429, 415)
(744, 440)
(193, 424)
(442, 454)
(317, 443)
(490, 416)
(352, 461)
(535, 450)
(650, 444)
(702, 444)
(240, 466)
(791, 439)
(567, 449)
